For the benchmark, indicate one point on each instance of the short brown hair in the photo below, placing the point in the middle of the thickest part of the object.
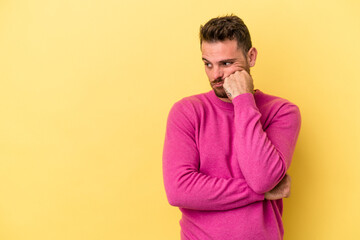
(226, 28)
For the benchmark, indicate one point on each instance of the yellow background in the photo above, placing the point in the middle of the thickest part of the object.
(86, 86)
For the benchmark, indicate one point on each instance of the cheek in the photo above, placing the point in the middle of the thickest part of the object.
(239, 67)
(230, 70)
(207, 71)
(233, 69)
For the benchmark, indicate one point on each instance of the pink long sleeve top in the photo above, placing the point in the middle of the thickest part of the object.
(220, 158)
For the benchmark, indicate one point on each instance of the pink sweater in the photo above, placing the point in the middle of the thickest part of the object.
(220, 158)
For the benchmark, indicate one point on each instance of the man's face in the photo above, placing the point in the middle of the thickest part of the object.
(222, 59)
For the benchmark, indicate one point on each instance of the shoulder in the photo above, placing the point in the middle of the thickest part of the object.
(274, 107)
(188, 109)
(191, 104)
(267, 101)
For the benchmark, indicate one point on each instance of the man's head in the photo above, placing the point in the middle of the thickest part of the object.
(226, 48)
(226, 28)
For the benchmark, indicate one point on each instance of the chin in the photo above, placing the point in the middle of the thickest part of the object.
(220, 93)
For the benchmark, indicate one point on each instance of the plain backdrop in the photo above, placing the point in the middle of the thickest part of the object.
(86, 86)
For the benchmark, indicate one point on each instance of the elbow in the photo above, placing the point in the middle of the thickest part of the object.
(172, 198)
(262, 181)
(179, 189)
(259, 187)
(173, 195)
(266, 182)
(176, 199)
(178, 193)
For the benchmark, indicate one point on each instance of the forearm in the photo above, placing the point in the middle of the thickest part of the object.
(260, 162)
(187, 188)
(264, 156)
(185, 185)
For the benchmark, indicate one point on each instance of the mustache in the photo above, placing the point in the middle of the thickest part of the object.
(217, 80)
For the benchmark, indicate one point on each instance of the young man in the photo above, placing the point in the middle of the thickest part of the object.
(227, 151)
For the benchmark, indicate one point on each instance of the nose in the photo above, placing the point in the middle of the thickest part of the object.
(217, 73)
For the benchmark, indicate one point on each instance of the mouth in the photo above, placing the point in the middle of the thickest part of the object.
(217, 84)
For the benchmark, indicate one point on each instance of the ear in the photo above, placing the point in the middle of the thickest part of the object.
(251, 56)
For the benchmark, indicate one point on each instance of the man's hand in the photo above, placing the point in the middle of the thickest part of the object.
(282, 190)
(238, 83)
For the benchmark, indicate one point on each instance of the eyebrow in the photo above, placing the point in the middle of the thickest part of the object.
(228, 60)
(225, 60)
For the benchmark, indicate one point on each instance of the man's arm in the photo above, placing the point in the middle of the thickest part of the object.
(185, 186)
(264, 157)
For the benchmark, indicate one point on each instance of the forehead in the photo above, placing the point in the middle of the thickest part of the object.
(216, 51)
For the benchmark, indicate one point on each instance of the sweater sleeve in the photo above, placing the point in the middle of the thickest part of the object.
(185, 186)
(264, 155)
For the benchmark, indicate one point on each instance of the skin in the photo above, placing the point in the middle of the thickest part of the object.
(228, 70)
(282, 190)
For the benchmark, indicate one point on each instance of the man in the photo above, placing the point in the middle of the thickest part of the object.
(227, 151)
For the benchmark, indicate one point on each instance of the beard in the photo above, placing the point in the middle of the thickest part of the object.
(220, 91)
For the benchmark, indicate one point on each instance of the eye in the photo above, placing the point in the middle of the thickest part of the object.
(228, 63)
(208, 65)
